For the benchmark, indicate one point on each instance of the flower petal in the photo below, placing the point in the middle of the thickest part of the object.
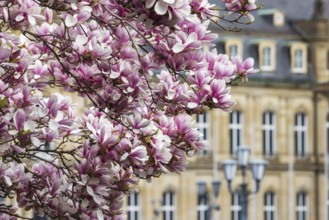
(161, 8)
(70, 21)
(177, 48)
(19, 119)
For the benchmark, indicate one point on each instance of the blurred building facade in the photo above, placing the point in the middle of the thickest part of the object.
(282, 114)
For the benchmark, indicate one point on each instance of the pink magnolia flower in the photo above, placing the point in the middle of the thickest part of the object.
(185, 42)
(31, 12)
(4, 54)
(19, 119)
(240, 5)
(244, 67)
(162, 6)
(142, 68)
(203, 7)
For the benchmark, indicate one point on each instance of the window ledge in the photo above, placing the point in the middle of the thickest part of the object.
(299, 71)
(267, 68)
(271, 157)
(302, 158)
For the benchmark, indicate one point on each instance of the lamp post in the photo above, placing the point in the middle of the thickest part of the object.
(202, 189)
(257, 169)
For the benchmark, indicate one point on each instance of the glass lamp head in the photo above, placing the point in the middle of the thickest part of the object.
(229, 167)
(243, 153)
(216, 187)
(202, 188)
(258, 169)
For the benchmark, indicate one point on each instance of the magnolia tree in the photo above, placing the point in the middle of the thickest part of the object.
(145, 67)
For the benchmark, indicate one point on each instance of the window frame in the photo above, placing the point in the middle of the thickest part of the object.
(203, 123)
(269, 209)
(276, 15)
(168, 209)
(134, 206)
(302, 208)
(235, 48)
(301, 135)
(267, 59)
(299, 58)
(234, 42)
(327, 64)
(278, 19)
(327, 205)
(272, 56)
(203, 208)
(269, 133)
(235, 130)
(327, 134)
(298, 46)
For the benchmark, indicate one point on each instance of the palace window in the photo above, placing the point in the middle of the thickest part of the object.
(327, 205)
(134, 208)
(302, 206)
(233, 51)
(233, 47)
(268, 134)
(275, 15)
(267, 52)
(204, 128)
(328, 60)
(300, 135)
(203, 203)
(278, 19)
(298, 57)
(168, 206)
(267, 59)
(236, 124)
(327, 134)
(236, 207)
(269, 206)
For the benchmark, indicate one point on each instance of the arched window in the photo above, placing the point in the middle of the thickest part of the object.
(168, 205)
(204, 128)
(268, 134)
(327, 205)
(300, 135)
(327, 133)
(328, 60)
(134, 206)
(301, 206)
(269, 206)
(203, 202)
(236, 125)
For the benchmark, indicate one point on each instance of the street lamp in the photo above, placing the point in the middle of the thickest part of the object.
(257, 169)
